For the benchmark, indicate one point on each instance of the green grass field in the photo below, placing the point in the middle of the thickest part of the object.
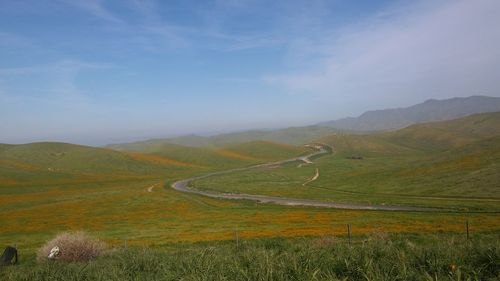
(119, 211)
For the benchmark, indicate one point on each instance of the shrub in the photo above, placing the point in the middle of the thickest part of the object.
(74, 247)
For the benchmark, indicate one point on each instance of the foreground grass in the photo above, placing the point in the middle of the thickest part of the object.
(377, 257)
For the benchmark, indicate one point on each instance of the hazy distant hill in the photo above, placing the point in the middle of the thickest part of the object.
(429, 111)
(293, 136)
(378, 120)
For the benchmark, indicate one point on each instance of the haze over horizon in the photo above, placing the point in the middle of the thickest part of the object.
(97, 72)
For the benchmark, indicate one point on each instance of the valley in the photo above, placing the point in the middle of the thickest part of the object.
(449, 168)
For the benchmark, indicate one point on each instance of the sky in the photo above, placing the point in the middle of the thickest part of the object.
(100, 71)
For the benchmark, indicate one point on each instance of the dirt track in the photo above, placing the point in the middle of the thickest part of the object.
(183, 185)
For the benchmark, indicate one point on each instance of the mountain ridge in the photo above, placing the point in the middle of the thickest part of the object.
(431, 110)
(428, 111)
(291, 136)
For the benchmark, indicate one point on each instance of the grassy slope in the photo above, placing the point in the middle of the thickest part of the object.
(439, 136)
(242, 154)
(202, 156)
(381, 257)
(420, 138)
(390, 172)
(265, 150)
(366, 146)
(44, 163)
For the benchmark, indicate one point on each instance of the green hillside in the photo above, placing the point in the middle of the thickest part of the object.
(59, 162)
(420, 138)
(265, 150)
(74, 158)
(225, 156)
(202, 156)
(365, 146)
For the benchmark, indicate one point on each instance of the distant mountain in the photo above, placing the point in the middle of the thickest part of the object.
(292, 136)
(371, 121)
(428, 111)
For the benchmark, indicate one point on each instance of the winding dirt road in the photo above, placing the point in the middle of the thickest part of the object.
(183, 185)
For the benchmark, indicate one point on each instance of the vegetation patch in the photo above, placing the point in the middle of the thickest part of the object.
(71, 247)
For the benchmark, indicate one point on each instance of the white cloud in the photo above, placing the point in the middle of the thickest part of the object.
(430, 50)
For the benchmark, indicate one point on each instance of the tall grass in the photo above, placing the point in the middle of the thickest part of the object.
(378, 258)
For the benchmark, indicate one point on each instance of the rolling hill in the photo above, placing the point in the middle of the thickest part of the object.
(51, 162)
(428, 111)
(62, 162)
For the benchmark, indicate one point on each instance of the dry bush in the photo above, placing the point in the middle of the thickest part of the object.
(74, 247)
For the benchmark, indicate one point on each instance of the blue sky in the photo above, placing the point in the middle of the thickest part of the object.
(102, 71)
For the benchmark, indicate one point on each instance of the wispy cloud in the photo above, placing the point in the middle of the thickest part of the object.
(96, 8)
(429, 50)
(155, 31)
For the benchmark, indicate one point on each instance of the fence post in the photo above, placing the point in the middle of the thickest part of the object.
(236, 238)
(467, 229)
(349, 233)
(125, 243)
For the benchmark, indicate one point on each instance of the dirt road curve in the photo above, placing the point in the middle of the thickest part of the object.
(316, 176)
(183, 185)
